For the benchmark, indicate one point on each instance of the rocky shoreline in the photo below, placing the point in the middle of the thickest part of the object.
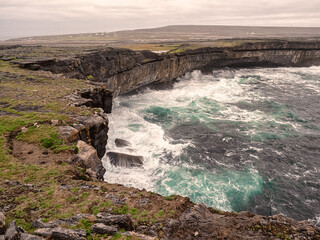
(118, 71)
(196, 222)
(124, 70)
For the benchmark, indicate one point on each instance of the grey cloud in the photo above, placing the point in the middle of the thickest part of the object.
(38, 17)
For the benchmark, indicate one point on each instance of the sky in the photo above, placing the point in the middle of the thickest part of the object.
(19, 18)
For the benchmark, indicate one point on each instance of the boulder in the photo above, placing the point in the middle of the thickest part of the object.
(101, 228)
(125, 160)
(68, 134)
(1, 237)
(123, 221)
(55, 223)
(39, 224)
(25, 236)
(12, 232)
(116, 200)
(83, 133)
(99, 97)
(2, 223)
(122, 143)
(68, 234)
(96, 127)
(87, 158)
(44, 232)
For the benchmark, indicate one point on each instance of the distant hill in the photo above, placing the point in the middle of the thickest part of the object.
(174, 34)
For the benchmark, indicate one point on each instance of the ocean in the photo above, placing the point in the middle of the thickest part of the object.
(245, 139)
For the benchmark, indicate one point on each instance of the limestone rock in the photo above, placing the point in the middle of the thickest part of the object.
(87, 158)
(115, 199)
(2, 222)
(99, 97)
(96, 127)
(44, 232)
(122, 143)
(39, 224)
(83, 133)
(25, 236)
(68, 134)
(12, 232)
(54, 122)
(125, 160)
(101, 228)
(139, 236)
(60, 222)
(68, 234)
(198, 222)
(123, 221)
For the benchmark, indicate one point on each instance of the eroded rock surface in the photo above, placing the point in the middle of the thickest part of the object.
(68, 234)
(2, 223)
(199, 222)
(121, 142)
(12, 232)
(96, 131)
(125, 160)
(87, 158)
(101, 228)
(25, 236)
(124, 70)
(123, 221)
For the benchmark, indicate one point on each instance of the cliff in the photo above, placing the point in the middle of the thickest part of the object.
(44, 195)
(123, 70)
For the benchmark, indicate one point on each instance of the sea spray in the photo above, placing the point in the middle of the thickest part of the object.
(235, 139)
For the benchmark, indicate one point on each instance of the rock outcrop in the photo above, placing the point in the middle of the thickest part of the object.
(196, 222)
(101, 228)
(13, 232)
(88, 159)
(121, 142)
(92, 130)
(96, 97)
(2, 223)
(125, 160)
(123, 70)
(199, 222)
(122, 221)
(91, 135)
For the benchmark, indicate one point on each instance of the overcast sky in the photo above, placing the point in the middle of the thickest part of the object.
(46, 17)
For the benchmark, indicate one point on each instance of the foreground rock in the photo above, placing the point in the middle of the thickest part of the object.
(2, 223)
(69, 134)
(122, 221)
(199, 222)
(87, 158)
(96, 131)
(13, 232)
(92, 130)
(60, 233)
(122, 143)
(68, 234)
(25, 236)
(101, 228)
(125, 160)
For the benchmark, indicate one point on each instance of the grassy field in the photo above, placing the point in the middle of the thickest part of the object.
(36, 180)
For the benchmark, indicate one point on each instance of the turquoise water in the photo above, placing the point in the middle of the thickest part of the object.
(227, 189)
(234, 139)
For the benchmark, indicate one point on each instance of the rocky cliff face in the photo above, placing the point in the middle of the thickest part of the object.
(123, 70)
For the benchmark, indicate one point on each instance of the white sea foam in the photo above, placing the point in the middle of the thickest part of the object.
(149, 139)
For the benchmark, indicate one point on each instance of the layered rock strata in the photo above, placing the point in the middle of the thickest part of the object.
(123, 70)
